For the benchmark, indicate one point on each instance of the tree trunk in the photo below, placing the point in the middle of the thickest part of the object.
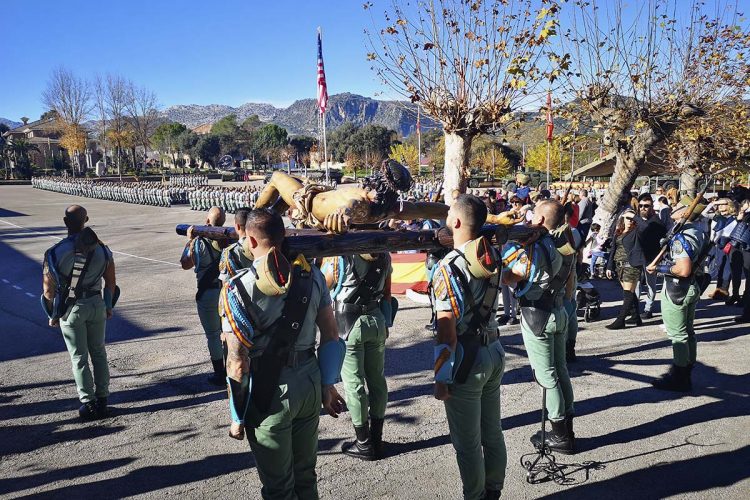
(627, 167)
(456, 169)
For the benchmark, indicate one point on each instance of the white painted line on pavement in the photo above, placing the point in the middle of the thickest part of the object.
(5, 281)
(17, 287)
(29, 294)
(113, 251)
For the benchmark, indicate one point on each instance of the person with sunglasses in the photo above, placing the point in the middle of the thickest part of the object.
(626, 261)
(650, 230)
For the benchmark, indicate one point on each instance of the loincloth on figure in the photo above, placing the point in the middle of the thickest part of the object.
(302, 213)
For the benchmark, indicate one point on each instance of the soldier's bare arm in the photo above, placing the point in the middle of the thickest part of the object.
(238, 366)
(187, 260)
(110, 281)
(446, 334)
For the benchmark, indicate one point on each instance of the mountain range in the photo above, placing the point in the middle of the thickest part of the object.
(10, 123)
(301, 117)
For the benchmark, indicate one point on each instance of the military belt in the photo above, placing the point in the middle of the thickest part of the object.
(297, 358)
(357, 308)
(87, 294)
(484, 338)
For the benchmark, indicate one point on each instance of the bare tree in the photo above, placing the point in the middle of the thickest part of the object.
(70, 97)
(468, 64)
(100, 100)
(115, 96)
(644, 70)
(141, 106)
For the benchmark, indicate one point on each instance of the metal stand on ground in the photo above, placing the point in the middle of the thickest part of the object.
(541, 466)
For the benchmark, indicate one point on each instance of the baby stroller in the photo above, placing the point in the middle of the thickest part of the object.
(589, 301)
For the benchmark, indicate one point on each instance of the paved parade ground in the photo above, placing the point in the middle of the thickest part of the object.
(168, 431)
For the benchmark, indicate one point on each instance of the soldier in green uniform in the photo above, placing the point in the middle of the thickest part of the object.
(235, 257)
(270, 312)
(364, 312)
(72, 298)
(203, 255)
(469, 360)
(541, 273)
(568, 241)
(680, 296)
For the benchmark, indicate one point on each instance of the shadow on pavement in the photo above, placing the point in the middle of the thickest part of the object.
(63, 474)
(668, 479)
(154, 478)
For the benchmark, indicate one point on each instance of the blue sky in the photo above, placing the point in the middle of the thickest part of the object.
(188, 52)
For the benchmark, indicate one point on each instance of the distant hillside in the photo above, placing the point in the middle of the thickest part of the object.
(10, 123)
(192, 115)
(301, 116)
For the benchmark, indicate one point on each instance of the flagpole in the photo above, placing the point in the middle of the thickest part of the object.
(325, 147)
(419, 146)
(549, 146)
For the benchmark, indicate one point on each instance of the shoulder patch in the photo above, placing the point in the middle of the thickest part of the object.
(677, 246)
(440, 283)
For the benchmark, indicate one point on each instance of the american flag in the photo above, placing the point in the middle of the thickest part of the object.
(322, 87)
(550, 124)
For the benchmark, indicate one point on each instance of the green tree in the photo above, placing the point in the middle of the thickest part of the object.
(270, 139)
(251, 123)
(186, 143)
(18, 152)
(165, 139)
(49, 115)
(208, 148)
(226, 126)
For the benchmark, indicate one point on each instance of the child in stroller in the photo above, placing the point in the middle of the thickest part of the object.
(588, 301)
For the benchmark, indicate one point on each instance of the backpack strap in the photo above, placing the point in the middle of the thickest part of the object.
(284, 333)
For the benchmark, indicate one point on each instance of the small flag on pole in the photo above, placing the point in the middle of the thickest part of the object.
(550, 124)
(322, 87)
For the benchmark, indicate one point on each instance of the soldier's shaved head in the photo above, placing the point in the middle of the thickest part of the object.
(266, 227)
(75, 218)
(216, 216)
(240, 219)
(549, 213)
(472, 211)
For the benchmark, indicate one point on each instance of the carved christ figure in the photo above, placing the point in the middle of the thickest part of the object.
(335, 210)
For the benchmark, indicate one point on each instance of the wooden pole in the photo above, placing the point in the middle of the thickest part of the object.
(314, 244)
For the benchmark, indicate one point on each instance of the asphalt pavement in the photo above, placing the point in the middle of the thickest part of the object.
(168, 431)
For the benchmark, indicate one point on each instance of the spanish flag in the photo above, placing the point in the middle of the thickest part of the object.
(409, 273)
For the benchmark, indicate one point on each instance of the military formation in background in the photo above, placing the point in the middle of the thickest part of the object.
(227, 198)
(188, 180)
(141, 193)
(182, 189)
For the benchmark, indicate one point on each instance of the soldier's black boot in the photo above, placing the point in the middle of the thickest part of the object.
(362, 446)
(88, 411)
(219, 377)
(492, 495)
(676, 379)
(560, 438)
(101, 408)
(570, 351)
(627, 303)
(569, 424)
(376, 435)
